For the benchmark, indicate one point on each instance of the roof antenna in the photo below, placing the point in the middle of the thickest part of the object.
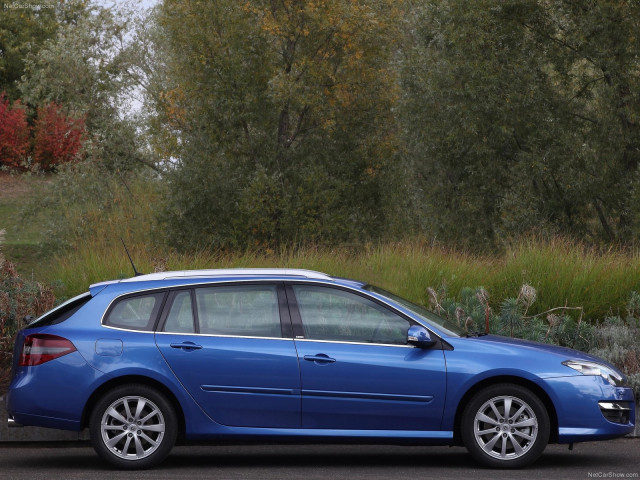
(136, 272)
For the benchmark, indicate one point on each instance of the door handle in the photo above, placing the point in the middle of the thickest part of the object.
(319, 358)
(186, 346)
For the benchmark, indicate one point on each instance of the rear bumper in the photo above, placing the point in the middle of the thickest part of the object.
(21, 420)
(51, 395)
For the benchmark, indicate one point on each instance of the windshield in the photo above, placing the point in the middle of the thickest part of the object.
(429, 317)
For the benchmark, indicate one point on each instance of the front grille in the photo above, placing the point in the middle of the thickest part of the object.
(616, 412)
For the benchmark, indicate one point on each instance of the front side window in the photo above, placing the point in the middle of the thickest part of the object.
(135, 313)
(239, 310)
(429, 317)
(337, 315)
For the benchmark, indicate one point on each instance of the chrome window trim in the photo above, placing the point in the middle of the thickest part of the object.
(259, 338)
(372, 344)
(120, 329)
(290, 280)
(192, 334)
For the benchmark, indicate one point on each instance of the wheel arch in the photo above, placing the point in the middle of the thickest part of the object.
(523, 382)
(133, 379)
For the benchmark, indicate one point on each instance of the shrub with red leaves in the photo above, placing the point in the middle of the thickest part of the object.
(57, 137)
(14, 134)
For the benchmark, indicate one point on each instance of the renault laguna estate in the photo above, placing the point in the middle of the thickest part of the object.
(298, 356)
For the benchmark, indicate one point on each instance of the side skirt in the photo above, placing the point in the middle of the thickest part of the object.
(328, 435)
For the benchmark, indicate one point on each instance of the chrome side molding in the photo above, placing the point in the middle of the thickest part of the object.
(614, 406)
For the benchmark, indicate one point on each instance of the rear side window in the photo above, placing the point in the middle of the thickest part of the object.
(62, 312)
(243, 310)
(180, 316)
(135, 313)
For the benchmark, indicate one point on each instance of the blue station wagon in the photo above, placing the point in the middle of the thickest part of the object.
(295, 355)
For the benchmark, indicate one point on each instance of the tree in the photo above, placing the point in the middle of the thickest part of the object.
(21, 30)
(88, 67)
(14, 133)
(57, 138)
(282, 118)
(523, 116)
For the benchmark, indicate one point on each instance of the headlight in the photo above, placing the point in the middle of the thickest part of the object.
(591, 368)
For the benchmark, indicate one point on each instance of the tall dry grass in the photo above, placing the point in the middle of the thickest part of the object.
(562, 272)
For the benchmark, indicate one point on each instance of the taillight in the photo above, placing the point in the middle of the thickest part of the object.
(41, 347)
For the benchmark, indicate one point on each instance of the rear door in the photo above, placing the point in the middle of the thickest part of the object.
(231, 348)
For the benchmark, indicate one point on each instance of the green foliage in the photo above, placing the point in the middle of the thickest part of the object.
(89, 67)
(87, 205)
(282, 119)
(618, 341)
(615, 339)
(18, 297)
(21, 30)
(523, 116)
(602, 279)
(470, 310)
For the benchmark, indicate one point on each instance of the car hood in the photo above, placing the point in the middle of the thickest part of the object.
(564, 352)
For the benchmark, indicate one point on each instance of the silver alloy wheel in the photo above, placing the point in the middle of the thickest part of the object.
(505, 427)
(132, 427)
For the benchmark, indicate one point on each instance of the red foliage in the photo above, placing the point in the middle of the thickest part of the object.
(58, 138)
(14, 133)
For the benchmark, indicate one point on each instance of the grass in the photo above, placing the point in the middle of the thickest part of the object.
(21, 239)
(563, 273)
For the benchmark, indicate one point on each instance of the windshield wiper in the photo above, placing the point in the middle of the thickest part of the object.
(476, 334)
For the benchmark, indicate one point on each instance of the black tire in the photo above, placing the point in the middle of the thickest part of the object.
(139, 440)
(497, 440)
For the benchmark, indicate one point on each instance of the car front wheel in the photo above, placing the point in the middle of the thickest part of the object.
(505, 426)
(133, 427)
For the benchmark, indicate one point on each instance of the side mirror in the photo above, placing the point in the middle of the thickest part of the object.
(419, 337)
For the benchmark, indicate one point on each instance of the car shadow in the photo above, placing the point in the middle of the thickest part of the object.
(335, 459)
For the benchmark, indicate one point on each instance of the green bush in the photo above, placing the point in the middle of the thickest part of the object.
(618, 342)
(615, 339)
(18, 297)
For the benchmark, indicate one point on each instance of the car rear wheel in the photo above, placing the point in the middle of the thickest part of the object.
(133, 427)
(505, 426)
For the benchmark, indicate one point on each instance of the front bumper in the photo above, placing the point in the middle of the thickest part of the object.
(588, 408)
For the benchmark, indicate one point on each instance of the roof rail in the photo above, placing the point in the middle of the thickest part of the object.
(231, 272)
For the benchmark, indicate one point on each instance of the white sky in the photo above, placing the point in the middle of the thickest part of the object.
(141, 3)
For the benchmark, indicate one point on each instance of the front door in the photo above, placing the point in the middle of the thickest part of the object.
(357, 370)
